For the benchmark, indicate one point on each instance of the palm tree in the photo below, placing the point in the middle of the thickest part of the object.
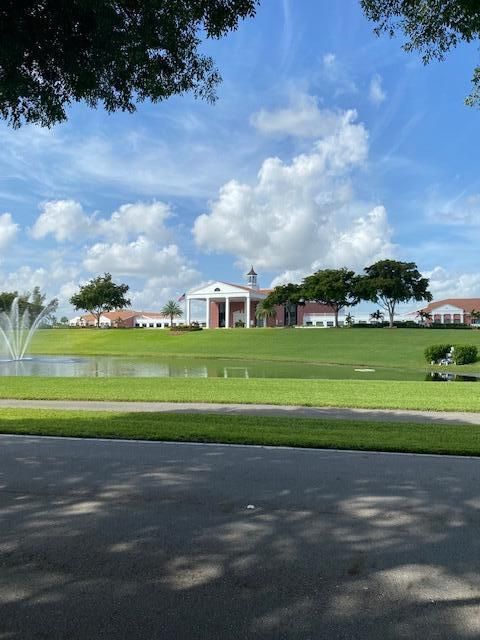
(172, 310)
(349, 319)
(264, 311)
(377, 316)
(474, 317)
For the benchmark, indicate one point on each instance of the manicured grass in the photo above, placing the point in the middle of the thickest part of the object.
(338, 434)
(455, 396)
(375, 347)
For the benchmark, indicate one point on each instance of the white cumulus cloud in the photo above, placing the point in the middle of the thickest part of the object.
(448, 284)
(303, 119)
(141, 257)
(8, 230)
(67, 221)
(157, 291)
(131, 220)
(56, 281)
(301, 215)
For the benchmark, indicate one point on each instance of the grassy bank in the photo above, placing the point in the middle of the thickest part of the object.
(373, 347)
(338, 434)
(381, 394)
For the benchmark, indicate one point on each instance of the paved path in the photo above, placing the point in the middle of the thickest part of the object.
(135, 541)
(397, 415)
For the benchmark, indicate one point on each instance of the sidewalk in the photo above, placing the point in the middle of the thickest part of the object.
(289, 411)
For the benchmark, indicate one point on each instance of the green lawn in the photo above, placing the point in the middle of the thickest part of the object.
(374, 347)
(457, 396)
(338, 434)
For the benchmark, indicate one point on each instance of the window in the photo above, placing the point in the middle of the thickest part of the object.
(309, 323)
(319, 323)
(151, 324)
(159, 324)
(329, 323)
(216, 289)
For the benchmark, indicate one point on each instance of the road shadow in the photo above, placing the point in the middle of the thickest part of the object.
(156, 540)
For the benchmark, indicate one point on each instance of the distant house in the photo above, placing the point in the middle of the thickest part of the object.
(124, 319)
(453, 311)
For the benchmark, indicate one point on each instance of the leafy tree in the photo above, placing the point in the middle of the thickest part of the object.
(377, 316)
(36, 305)
(99, 295)
(173, 310)
(34, 302)
(388, 282)
(64, 320)
(432, 27)
(6, 300)
(349, 320)
(288, 296)
(264, 311)
(114, 52)
(333, 287)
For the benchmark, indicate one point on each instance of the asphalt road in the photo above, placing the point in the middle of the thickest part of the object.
(130, 540)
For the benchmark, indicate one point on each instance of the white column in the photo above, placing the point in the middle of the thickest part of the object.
(227, 312)
(247, 315)
(187, 310)
(207, 320)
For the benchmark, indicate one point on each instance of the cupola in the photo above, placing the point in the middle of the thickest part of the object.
(252, 279)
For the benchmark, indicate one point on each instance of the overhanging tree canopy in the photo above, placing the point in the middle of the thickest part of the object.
(114, 52)
(432, 27)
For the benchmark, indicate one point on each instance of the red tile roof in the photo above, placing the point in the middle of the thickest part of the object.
(112, 315)
(467, 304)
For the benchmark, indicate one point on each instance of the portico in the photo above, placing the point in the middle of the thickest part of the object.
(227, 304)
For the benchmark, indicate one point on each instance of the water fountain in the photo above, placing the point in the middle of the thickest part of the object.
(17, 330)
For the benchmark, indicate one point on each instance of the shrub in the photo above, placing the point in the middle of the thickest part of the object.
(364, 325)
(186, 327)
(452, 325)
(239, 324)
(436, 352)
(464, 353)
(408, 324)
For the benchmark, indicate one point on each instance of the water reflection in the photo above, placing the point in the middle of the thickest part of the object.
(146, 367)
(448, 376)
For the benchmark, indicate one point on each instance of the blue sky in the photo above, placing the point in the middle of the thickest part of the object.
(327, 147)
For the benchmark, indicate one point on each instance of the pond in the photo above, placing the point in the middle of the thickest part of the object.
(113, 366)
